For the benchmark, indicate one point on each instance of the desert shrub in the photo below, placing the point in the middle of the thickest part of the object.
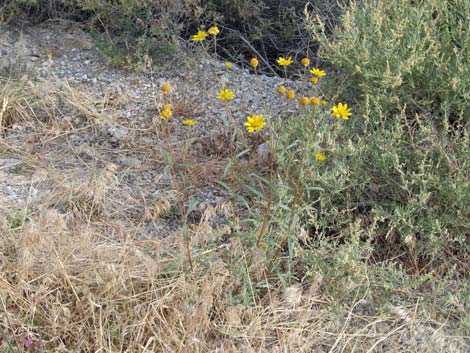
(408, 55)
(403, 189)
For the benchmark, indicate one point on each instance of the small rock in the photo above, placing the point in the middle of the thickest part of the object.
(118, 132)
(263, 150)
(131, 162)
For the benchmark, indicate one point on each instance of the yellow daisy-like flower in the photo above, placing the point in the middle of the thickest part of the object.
(290, 94)
(166, 112)
(341, 111)
(284, 62)
(166, 88)
(281, 89)
(317, 72)
(213, 31)
(200, 36)
(189, 122)
(228, 64)
(320, 156)
(314, 79)
(305, 62)
(254, 62)
(254, 123)
(315, 100)
(226, 94)
(304, 100)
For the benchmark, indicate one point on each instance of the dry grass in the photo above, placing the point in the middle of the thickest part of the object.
(77, 289)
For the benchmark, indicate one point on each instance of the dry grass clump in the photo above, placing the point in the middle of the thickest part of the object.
(21, 102)
(72, 289)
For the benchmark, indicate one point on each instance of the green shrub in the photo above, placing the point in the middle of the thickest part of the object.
(411, 55)
(405, 189)
(384, 217)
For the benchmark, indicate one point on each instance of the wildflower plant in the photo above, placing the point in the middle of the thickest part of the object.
(341, 111)
(254, 123)
(317, 72)
(200, 36)
(166, 88)
(284, 62)
(226, 94)
(189, 122)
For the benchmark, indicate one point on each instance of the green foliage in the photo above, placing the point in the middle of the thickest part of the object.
(18, 219)
(407, 55)
(406, 186)
(391, 200)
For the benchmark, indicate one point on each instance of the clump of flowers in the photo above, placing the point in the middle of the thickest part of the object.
(290, 94)
(305, 62)
(304, 100)
(213, 31)
(226, 94)
(317, 72)
(315, 100)
(199, 36)
(281, 89)
(254, 123)
(341, 111)
(320, 156)
(254, 62)
(166, 112)
(189, 122)
(284, 61)
(166, 88)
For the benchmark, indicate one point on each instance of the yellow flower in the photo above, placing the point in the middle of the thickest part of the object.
(305, 62)
(254, 62)
(320, 156)
(285, 62)
(341, 111)
(228, 64)
(317, 72)
(226, 94)
(166, 112)
(290, 94)
(166, 88)
(281, 89)
(324, 102)
(315, 100)
(314, 79)
(213, 31)
(304, 100)
(189, 122)
(254, 123)
(200, 36)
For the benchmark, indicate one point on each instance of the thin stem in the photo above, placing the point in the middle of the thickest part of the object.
(179, 190)
(267, 213)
